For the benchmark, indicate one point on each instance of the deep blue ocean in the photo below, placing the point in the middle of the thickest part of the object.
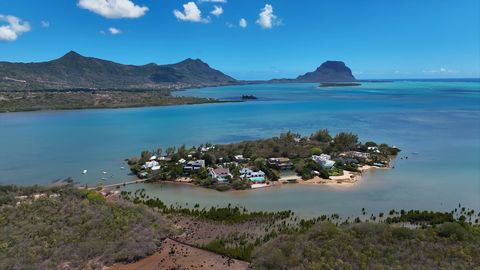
(436, 123)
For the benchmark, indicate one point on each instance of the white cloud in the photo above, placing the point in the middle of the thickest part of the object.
(114, 31)
(217, 11)
(191, 13)
(243, 23)
(14, 28)
(441, 70)
(45, 24)
(114, 9)
(213, 1)
(266, 18)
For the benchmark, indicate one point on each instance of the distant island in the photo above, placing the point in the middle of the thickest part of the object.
(246, 97)
(289, 158)
(328, 72)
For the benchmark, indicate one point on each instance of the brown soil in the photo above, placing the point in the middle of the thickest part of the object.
(178, 256)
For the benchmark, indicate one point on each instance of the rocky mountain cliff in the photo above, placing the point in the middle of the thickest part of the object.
(330, 71)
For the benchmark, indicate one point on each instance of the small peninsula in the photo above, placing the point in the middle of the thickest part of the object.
(289, 158)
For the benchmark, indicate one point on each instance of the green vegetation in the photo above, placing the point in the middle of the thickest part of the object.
(422, 217)
(227, 214)
(12, 101)
(63, 228)
(373, 246)
(235, 246)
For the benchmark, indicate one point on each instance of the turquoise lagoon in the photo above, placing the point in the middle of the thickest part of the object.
(435, 123)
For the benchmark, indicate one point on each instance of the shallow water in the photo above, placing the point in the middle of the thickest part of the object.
(439, 120)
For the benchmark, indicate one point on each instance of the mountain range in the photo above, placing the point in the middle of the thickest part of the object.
(76, 71)
(73, 71)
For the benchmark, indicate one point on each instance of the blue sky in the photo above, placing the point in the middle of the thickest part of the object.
(282, 38)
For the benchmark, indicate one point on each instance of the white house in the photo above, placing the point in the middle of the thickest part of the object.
(251, 175)
(150, 164)
(239, 158)
(194, 165)
(220, 174)
(324, 160)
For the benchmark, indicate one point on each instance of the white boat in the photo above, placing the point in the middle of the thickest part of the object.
(84, 172)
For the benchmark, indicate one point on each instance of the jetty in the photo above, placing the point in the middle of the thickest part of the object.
(118, 184)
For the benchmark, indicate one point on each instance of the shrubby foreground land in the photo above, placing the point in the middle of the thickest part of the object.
(64, 228)
(68, 228)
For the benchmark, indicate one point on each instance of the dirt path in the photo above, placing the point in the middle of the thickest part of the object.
(175, 255)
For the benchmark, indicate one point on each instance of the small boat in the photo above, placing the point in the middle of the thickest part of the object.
(84, 172)
(122, 168)
(104, 172)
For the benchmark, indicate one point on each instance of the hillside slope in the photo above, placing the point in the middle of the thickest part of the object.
(76, 71)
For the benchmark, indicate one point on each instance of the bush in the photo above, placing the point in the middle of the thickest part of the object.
(402, 233)
(450, 229)
(92, 196)
(322, 136)
(316, 151)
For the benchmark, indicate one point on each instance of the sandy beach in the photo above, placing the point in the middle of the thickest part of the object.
(348, 178)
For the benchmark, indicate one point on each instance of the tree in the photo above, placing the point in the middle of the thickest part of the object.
(247, 150)
(201, 174)
(322, 136)
(170, 151)
(345, 141)
(370, 144)
(209, 159)
(182, 151)
(145, 156)
(316, 151)
(259, 162)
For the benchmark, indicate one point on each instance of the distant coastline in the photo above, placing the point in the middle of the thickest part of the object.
(339, 84)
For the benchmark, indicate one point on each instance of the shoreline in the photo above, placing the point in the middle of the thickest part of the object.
(213, 101)
(348, 179)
